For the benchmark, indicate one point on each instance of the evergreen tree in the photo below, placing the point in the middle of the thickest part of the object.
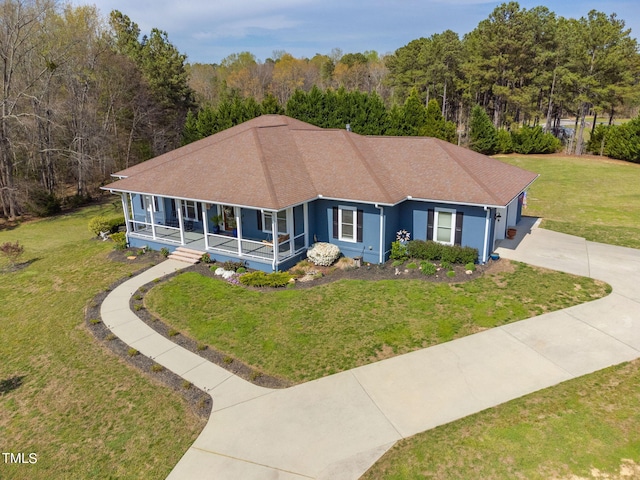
(482, 133)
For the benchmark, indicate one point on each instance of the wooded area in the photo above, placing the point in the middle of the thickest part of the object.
(84, 96)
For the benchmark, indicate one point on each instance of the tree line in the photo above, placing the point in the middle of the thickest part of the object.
(85, 96)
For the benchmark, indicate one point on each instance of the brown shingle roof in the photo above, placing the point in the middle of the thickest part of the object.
(274, 161)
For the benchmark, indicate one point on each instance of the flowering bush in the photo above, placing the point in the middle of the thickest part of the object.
(324, 254)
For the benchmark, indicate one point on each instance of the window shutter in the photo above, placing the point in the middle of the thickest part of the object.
(335, 222)
(430, 216)
(259, 219)
(458, 234)
(359, 226)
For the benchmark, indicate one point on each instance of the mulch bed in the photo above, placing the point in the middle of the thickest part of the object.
(199, 401)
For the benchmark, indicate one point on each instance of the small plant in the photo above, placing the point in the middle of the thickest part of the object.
(202, 403)
(451, 274)
(94, 321)
(138, 306)
(186, 384)
(446, 265)
(255, 375)
(120, 240)
(201, 346)
(110, 337)
(397, 263)
(206, 258)
(156, 367)
(232, 266)
(428, 268)
(164, 251)
(173, 332)
(412, 266)
(142, 289)
(137, 296)
(470, 266)
(132, 352)
(241, 270)
(228, 360)
(12, 251)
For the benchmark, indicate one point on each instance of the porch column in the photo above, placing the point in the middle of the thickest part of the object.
(205, 226)
(291, 231)
(274, 236)
(133, 215)
(127, 216)
(180, 220)
(152, 216)
(238, 215)
(305, 210)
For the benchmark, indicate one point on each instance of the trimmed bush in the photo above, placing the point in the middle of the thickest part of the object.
(323, 254)
(433, 251)
(12, 251)
(99, 224)
(232, 266)
(262, 279)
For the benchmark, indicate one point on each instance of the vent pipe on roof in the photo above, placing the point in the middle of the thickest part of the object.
(348, 127)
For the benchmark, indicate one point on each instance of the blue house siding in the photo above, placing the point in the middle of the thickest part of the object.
(413, 217)
(321, 224)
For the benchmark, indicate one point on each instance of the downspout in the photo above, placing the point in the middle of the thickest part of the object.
(381, 257)
(486, 233)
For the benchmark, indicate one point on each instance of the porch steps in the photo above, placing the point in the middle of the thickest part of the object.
(186, 255)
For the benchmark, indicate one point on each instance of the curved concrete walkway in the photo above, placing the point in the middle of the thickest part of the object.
(338, 426)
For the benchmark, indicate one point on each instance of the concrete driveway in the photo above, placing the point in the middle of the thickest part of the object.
(338, 426)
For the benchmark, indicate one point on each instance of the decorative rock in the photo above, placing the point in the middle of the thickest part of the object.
(219, 271)
(468, 272)
(227, 274)
(131, 258)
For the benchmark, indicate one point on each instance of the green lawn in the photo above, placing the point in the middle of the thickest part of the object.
(83, 411)
(594, 198)
(303, 334)
(571, 429)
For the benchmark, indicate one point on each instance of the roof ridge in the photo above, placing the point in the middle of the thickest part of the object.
(443, 144)
(265, 170)
(367, 165)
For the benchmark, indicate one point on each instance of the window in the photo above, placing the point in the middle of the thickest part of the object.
(282, 221)
(347, 224)
(190, 210)
(445, 226)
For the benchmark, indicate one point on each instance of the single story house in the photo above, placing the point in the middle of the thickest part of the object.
(264, 191)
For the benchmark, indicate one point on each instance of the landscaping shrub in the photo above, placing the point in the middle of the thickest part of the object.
(398, 251)
(262, 279)
(433, 251)
(232, 266)
(99, 224)
(470, 266)
(528, 140)
(164, 251)
(422, 250)
(467, 255)
(115, 223)
(206, 258)
(449, 253)
(324, 254)
(504, 142)
(120, 240)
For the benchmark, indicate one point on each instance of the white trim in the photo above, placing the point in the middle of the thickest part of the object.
(382, 249)
(354, 224)
(305, 214)
(205, 225)
(436, 216)
(277, 212)
(186, 204)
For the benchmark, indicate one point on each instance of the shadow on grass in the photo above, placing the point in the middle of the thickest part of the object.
(19, 266)
(10, 384)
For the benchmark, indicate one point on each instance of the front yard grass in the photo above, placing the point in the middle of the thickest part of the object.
(63, 396)
(304, 334)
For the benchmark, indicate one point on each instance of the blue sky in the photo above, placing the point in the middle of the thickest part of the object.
(209, 30)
